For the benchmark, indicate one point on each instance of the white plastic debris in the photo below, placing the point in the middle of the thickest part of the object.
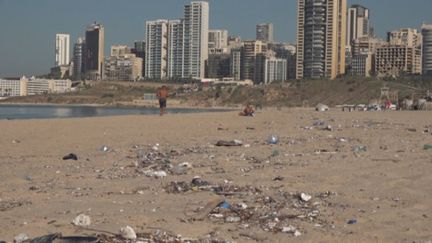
(321, 108)
(82, 220)
(128, 233)
(297, 233)
(105, 148)
(156, 174)
(288, 229)
(305, 197)
(20, 238)
(242, 206)
(232, 219)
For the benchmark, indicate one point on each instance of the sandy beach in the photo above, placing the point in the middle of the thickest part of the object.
(384, 190)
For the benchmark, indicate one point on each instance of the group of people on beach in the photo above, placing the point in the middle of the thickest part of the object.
(162, 95)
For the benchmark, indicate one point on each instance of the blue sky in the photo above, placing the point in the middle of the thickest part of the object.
(28, 27)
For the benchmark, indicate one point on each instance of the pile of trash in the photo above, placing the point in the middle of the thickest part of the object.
(126, 234)
(151, 161)
(197, 184)
(270, 213)
(274, 215)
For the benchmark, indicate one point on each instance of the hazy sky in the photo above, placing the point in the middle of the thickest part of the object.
(28, 27)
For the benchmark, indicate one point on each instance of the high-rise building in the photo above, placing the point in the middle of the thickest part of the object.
(218, 39)
(139, 50)
(250, 50)
(175, 61)
(178, 48)
(275, 70)
(427, 49)
(196, 26)
(94, 53)
(321, 38)
(288, 52)
(156, 49)
(62, 49)
(78, 59)
(235, 63)
(264, 32)
(358, 24)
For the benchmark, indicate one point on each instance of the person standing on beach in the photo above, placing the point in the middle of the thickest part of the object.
(162, 94)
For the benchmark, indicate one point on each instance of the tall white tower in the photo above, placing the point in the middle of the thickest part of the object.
(62, 50)
(196, 27)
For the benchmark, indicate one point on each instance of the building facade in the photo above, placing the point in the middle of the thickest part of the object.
(218, 65)
(62, 50)
(427, 49)
(218, 39)
(125, 67)
(358, 24)
(249, 52)
(140, 51)
(396, 60)
(405, 37)
(78, 59)
(275, 70)
(321, 38)
(120, 50)
(264, 32)
(235, 63)
(196, 27)
(362, 65)
(176, 49)
(156, 49)
(12, 88)
(94, 52)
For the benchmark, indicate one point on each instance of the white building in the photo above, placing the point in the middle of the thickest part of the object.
(156, 49)
(11, 88)
(196, 21)
(175, 49)
(218, 39)
(62, 48)
(275, 70)
(37, 86)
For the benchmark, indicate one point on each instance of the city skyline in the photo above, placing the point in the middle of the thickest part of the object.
(27, 40)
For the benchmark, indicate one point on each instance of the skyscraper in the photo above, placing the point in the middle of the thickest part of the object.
(62, 48)
(357, 23)
(78, 58)
(156, 49)
(264, 32)
(321, 27)
(427, 48)
(94, 52)
(249, 53)
(175, 49)
(196, 26)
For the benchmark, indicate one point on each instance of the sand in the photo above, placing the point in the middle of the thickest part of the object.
(387, 189)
